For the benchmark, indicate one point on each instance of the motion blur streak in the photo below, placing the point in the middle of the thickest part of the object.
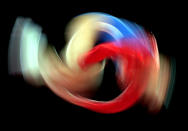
(143, 75)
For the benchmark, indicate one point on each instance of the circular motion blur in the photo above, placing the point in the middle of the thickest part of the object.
(143, 75)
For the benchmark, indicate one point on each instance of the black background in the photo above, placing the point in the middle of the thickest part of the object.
(23, 103)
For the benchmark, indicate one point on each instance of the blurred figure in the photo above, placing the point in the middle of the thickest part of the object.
(77, 71)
